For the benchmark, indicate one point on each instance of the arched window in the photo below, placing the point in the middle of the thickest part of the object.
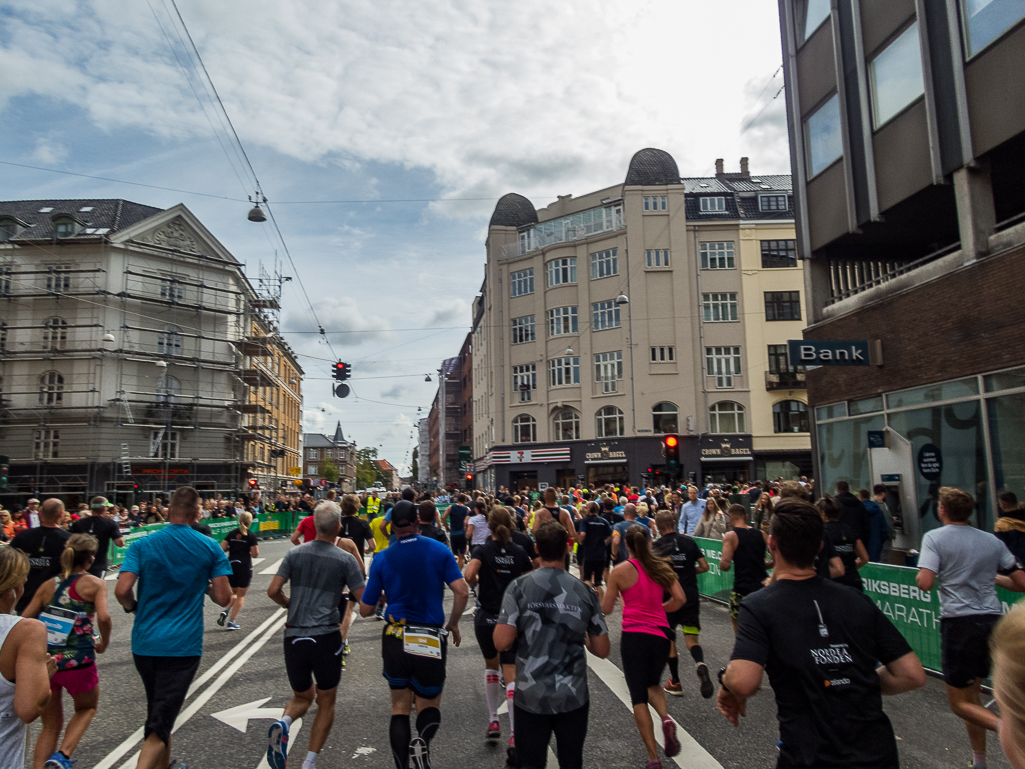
(567, 425)
(609, 422)
(55, 334)
(790, 417)
(168, 389)
(51, 389)
(168, 341)
(665, 417)
(524, 429)
(726, 417)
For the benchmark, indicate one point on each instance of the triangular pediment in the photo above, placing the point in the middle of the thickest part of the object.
(176, 228)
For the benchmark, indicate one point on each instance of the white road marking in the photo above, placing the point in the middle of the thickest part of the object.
(691, 755)
(239, 716)
(273, 568)
(258, 560)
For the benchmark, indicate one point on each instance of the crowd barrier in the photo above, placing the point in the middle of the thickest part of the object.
(915, 613)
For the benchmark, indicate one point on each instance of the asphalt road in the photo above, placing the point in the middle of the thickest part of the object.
(244, 670)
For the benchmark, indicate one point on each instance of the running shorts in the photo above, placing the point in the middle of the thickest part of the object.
(241, 574)
(76, 680)
(687, 617)
(425, 676)
(314, 658)
(484, 625)
(593, 571)
(459, 543)
(735, 599)
(644, 659)
(166, 681)
(964, 648)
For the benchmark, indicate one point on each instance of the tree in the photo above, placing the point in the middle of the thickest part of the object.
(328, 470)
(416, 464)
(366, 468)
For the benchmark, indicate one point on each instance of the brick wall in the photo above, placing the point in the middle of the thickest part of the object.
(969, 321)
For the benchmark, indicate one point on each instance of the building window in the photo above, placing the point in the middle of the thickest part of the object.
(563, 371)
(55, 334)
(665, 418)
(164, 444)
(782, 305)
(573, 227)
(47, 444)
(609, 422)
(311, 469)
(51, 389)
(895, 76)
(566, 426)
(778, 254)
(171, 290)
(717, 256)
(311, 453)
(810, 16)
(525, 381)
(986, 20)
(522, 282)
(8, 229)
(5, 279)
(605, 263)
(64, 228)
(655, 203)
(772, 203)
(656, 257)
(723, 363)
(719, 308)
(790, 417)
(822, 137)
(524, 429)
(523, 329)
(562, 271)
(663, 354)
(168, 389)
(169, 342)
(779, 361)
(604, 315)
(58, 278)
(608, 370)
(3, 336)
(562, 320)
(726, 417)
(712, 205)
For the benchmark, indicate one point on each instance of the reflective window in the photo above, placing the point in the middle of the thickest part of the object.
(866, 405)
(665, 418)
(562, 320)
(604, 315)
(986, 20)
(723, 363)
(833, 411)
(717, 256)
(566, 426)
(608, 370)
(822, 137)
(779, 254)
(524, 429)
(563, 371)
(726, 417)
(1005, 380)
(51, 389)
(522, 282)
(609, 422)
(790, 417)
(713, 205)
(525, 380)
(810, 15)
(561, 271)
(895, 76)
(523, 329)
(941, 391)
(782, 305)
(719, 308)
(605, 263)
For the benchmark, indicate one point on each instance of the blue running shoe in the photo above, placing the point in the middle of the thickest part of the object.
(58, 761)
(277, 745)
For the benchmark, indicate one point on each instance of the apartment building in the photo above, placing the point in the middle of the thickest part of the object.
(658, 305)
(907, 133)
(445, 422)
(317, 447)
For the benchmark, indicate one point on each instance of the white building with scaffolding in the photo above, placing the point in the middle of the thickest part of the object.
(127, 356)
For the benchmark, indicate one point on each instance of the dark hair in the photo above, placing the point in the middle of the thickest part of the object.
(408, 494)
(738, 510)
(427, 511)
(350, 504)
(842, 487)
(657, 568)
(880, 489)
(184, 499)
(957, 504)
(1008, 498)
(592, 507)
(796, 526)
(551, 538)
(608, 503)
(829, 507)
(500, 522)
(550, 495)
(792, 489)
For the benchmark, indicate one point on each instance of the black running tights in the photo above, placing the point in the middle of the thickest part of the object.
(533, 732)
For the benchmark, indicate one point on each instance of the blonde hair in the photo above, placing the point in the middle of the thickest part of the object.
(245, 520)
(76, 552)
(14, 568)
(642, 509)
(1008, 647)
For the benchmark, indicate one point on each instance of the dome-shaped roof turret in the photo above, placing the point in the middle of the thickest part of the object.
(652, 166)
(513, 210)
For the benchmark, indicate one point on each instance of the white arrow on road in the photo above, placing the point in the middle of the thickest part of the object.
(238, 717)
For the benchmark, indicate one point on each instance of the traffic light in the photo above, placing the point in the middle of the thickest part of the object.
(341, 371)
(253, 484)
(5, 469)
(671, 451)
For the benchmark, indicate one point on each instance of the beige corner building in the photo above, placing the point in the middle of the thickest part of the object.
(659, 305)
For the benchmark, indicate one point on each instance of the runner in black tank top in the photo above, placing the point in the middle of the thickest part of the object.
(745, 548)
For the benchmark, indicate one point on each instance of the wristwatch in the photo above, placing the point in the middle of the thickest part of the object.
(722, 672)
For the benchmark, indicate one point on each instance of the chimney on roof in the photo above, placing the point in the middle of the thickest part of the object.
(744, 167)
(720, 168)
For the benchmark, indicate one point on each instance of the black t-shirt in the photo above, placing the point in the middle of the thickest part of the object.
(749, 561)
(357, 530)
(843, 539)
(105, 530)
(612, 517)
(43, 545)
(683, 553)
(457, 515)
(431, 531)
(203, 529)
(521, 539)
(819, 643)
(238, 547)
(500, 565)
(596, 530)
(826, 554)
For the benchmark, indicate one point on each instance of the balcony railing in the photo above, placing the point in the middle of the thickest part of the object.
(785, 380)
(534, 241)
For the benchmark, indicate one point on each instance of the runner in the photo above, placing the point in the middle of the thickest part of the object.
(318, 572)
(477, 531)
(495, 564)
(305, 531)
(550, 512)
(175, 568)
(43, 545)
(242, 547)
(549, 617)
(358, 532)
(1009, 683)
(103, 528)
(965, 561)
(381, 529)
(428, 514)
(69, 605)
(619, 551)
(643, 580)
(848, 547)
(820, 643)
(745, 548)
(413, 573)
(456, 516)
(687, 561)
(594, 538)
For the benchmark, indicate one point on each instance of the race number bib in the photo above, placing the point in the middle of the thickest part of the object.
(59, 623)
(423, 641)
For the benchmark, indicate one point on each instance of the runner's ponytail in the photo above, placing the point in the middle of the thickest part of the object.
(244, 521)
(500, 521)
(655, 567)
(77, 551)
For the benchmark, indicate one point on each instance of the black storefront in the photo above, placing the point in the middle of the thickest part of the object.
(727, 458)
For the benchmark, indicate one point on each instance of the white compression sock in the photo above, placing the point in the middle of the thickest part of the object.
(311, 760)
(491, 692)
(510, 692)
(288, 721)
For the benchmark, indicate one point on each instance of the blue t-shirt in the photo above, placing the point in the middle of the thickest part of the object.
(621, 527)
(413, 573)
(173, 566)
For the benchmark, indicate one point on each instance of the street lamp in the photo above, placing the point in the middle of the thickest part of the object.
(622, 299)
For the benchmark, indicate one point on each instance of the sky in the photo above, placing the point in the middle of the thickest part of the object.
(382, 134)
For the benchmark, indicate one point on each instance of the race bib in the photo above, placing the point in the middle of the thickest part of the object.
(423, 641)
(59, 623)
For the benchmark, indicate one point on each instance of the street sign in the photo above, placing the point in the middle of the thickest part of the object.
(818, 352)
(295, 471)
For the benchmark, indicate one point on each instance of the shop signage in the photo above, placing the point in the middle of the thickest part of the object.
(930, 462)
(817, 352)
(604, 452)
(530, 455)
(159, 472)
(295, 471)
(737, 447)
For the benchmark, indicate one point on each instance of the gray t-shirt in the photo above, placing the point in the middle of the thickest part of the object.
(318, 572)
(965, 561)
(553, 612)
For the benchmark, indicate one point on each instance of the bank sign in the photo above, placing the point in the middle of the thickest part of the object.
(817, 352)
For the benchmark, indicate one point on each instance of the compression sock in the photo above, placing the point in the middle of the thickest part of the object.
(698, 654)
(311, 760)
(427, 723)
(978, 759)
(491, 693)
(510, 692)
(399, 736)
(287, 720)
(674, 669)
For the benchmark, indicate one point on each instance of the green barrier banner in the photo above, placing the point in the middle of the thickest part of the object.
(714, 583)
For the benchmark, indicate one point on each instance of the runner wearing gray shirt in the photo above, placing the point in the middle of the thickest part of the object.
(318, 572)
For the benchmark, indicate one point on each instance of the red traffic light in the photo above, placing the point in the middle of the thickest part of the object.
(672, 441)
(253, 483)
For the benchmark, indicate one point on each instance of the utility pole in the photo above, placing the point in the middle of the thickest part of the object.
(441, 426)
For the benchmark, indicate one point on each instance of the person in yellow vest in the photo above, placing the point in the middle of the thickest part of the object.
(373, 507)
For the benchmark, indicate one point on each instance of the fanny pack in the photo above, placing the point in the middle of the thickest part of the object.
(418, 640)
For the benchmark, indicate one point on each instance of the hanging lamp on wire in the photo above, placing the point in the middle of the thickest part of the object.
(256, 214)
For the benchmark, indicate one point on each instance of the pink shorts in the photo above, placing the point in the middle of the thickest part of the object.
(76, 681)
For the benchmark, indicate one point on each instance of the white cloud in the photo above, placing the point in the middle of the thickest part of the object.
(49, 150)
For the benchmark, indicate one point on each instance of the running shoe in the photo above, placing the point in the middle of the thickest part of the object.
(419, 754)
(674, 688)
(178, 764)
(653, 765)
(494, 730)
(672, 745)
(707, 688)
(222, 617)
(277, 745)
(379, 614)
(510, 753)
(342, 658)
(233, 625)
(58, 761)
(346, 649)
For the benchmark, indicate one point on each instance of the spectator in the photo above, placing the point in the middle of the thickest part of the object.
(879, 532)
(879, 493)
(1010, 526)
(1008, 646)
(852, 512)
